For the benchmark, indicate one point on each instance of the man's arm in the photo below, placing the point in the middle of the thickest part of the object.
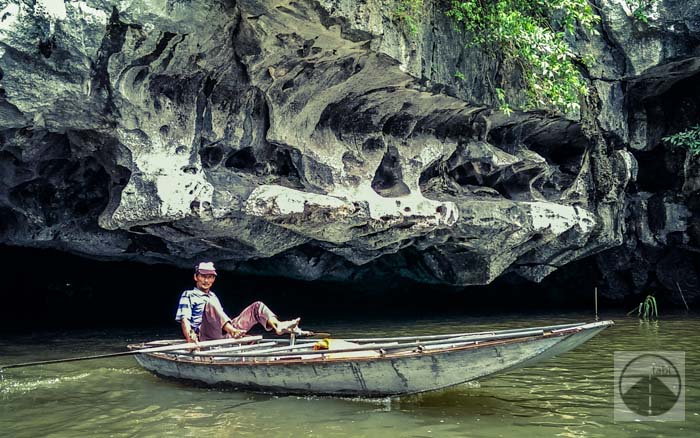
(183, 315)
(190, 335)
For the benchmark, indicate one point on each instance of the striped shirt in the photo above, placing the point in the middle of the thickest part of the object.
(191, 306)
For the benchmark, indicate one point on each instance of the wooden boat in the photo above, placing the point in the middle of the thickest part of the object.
(368, 367)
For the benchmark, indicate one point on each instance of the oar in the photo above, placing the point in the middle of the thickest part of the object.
(164, 349)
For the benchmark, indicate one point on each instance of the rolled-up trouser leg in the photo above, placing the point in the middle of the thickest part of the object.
(258, 313)
(213, 320)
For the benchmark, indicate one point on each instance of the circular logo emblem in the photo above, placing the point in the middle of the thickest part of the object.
(650, 385)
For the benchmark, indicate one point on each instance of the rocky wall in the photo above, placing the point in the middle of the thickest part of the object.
(322, 140)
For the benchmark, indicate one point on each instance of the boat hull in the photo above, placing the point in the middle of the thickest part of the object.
(387, 375)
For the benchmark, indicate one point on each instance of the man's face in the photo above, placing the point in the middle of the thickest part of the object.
(204, 281)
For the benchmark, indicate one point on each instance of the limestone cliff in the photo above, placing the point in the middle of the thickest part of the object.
(321, 139)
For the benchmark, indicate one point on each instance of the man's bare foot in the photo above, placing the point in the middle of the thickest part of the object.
(300, 332)
(233, 331)
(283, 327)
(237, 333)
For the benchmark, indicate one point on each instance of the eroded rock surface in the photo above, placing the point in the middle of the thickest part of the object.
(319, 139)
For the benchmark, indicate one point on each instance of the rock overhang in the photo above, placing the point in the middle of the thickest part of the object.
(267, 131)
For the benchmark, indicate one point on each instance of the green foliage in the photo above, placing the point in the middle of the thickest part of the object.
(502, 104)
(409, 12)
(647, 310)
(641, 9)
(689, 139)
(459, 75)
(588, 60)
(531, 33)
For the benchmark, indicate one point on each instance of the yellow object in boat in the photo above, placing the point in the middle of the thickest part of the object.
(323, 344)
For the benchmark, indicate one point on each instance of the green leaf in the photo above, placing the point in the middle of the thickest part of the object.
(532, 34)
(689, 139)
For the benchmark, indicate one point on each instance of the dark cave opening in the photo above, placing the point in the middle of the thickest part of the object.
(51, 289)
(211, 156)
(657, 170)
(243, 159)
(8, 222)
(388, 179)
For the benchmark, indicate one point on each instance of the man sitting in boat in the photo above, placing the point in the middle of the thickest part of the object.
(202, 317)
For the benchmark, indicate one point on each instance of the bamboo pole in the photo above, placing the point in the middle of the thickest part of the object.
(167, 348)
(687, 309)
(596, 304)
(236, 348)
(274, 352)
(455, 335)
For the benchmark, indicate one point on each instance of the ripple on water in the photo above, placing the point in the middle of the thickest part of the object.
(11, 385)
(127, 371)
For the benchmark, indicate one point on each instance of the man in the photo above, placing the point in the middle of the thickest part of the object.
(202, 318)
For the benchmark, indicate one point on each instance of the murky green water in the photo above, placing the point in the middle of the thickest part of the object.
(569, 396)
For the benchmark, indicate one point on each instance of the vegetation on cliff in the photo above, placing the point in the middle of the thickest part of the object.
(528, 33)
(689, 139)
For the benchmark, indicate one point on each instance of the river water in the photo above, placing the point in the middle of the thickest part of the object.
(568, 396)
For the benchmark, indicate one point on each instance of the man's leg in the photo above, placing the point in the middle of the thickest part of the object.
(259, 313)
(213, 321)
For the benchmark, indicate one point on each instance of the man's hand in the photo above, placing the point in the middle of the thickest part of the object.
(193, 337)
(188, 331)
